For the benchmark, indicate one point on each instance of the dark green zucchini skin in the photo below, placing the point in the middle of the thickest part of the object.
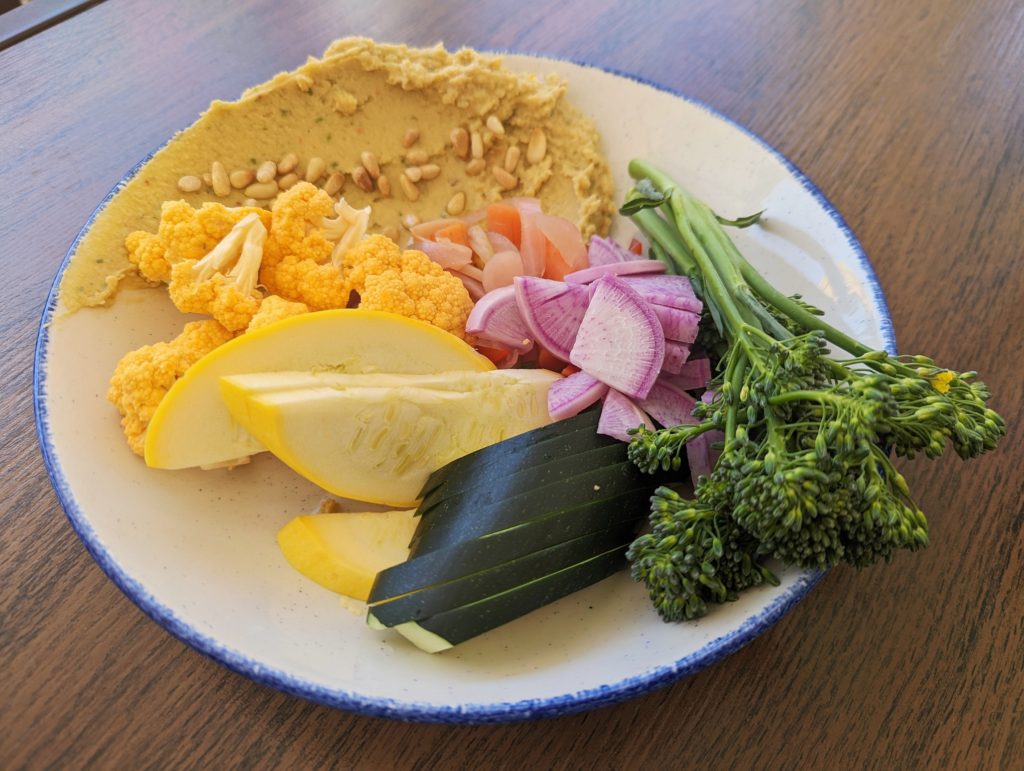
(441, 565)
(468, 621)
(471, 587)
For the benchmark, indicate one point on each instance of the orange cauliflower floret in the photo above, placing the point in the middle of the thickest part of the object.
(302, 256)
(184, 233)
(144, 376)
(210, 286)
(273, 309)
(408, 283)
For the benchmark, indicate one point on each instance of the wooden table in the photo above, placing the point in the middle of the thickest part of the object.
(910, 116)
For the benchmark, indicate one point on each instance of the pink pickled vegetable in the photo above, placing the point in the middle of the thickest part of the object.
(473, 272)
(619, 415)
(678, 325)
(676, 355)
(427, 230)
(572, 395)
(605, 251)
(480, 243)
(501, 243)
(473, 286)
(501, 269)
(629, 268)
(565, 237)
(496, 318)
(669, 405)
(532, 244)
(446, 254)
(695, 373)
(673, 291)
(620, 340)
(552, 312)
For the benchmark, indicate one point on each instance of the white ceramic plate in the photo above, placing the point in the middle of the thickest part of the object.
(196, 550)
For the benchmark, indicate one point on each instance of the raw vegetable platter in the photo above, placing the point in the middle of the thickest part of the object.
(196, 551)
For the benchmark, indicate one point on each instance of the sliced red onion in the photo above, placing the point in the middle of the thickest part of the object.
(605, 251)
(620, 340)
(496, 318)
(695, 373)
(572, 395)
(445, 253)
(676, 355)
(552, 311)
(565, 237)
(669, 405)
(619, 415)
(678, 325)
(629, 268)
(501, 269)
(673, 291)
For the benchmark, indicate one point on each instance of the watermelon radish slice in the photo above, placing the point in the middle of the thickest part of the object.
(678, 325)
(629, 268)
(695, 373)
(552, 311)
(667, 404)
(676, 355)
(571, 395)
(496, 318)
(673, 291)
(605, 251)
(620, 341)
(619, 415)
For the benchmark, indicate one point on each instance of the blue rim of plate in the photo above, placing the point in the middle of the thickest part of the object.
(500, 712)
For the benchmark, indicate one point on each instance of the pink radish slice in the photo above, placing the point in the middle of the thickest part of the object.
(629, 268)
(532, 243)
(565, 237)
(445, 253)
(552, 312)
(501, 269)
(673, 291)
(695, 373)
(619, 415)
(496, 318)
(572, 395)
(678, 325)
(620, 340)
(676, 355)
(605, 251)
(669, 405)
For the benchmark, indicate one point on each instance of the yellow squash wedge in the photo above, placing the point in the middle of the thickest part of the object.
(192, 427)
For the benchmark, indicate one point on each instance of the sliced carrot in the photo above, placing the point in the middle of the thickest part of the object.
(570, 370)
(504, 218)
(496, 355)
(457, 232)
(555, 266)
(636, 246)
(548, 360)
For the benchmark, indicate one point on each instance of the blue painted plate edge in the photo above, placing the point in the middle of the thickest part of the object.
(502, 712)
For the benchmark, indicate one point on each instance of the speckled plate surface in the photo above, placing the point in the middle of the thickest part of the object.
(196, 550)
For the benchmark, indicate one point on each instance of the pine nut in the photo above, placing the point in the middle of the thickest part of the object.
(362, 178)
(241, 178)
(287, 164)
(221, 183)
(506, 180)
(476, 143)
(266, 171)
(208, 179)
(537, 147)
(414, 173)
(456, 204)
(384, 186)
(475, 166)
(261, 190)
(416, 157)
(495, 125)
(512, 158)
(369, 161)
(251, 202)
(411, 135)
(334, 183)
(410, 220)
(287, 181)
(460, 142)
(429, 171)
(190, 184)
(315, 169)
(409, 188)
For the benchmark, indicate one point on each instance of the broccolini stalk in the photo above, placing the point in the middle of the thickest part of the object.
(802, 476)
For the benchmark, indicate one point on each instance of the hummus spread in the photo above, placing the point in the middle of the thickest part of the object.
(400, 105)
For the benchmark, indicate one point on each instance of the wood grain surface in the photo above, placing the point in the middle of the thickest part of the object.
(910, 117)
